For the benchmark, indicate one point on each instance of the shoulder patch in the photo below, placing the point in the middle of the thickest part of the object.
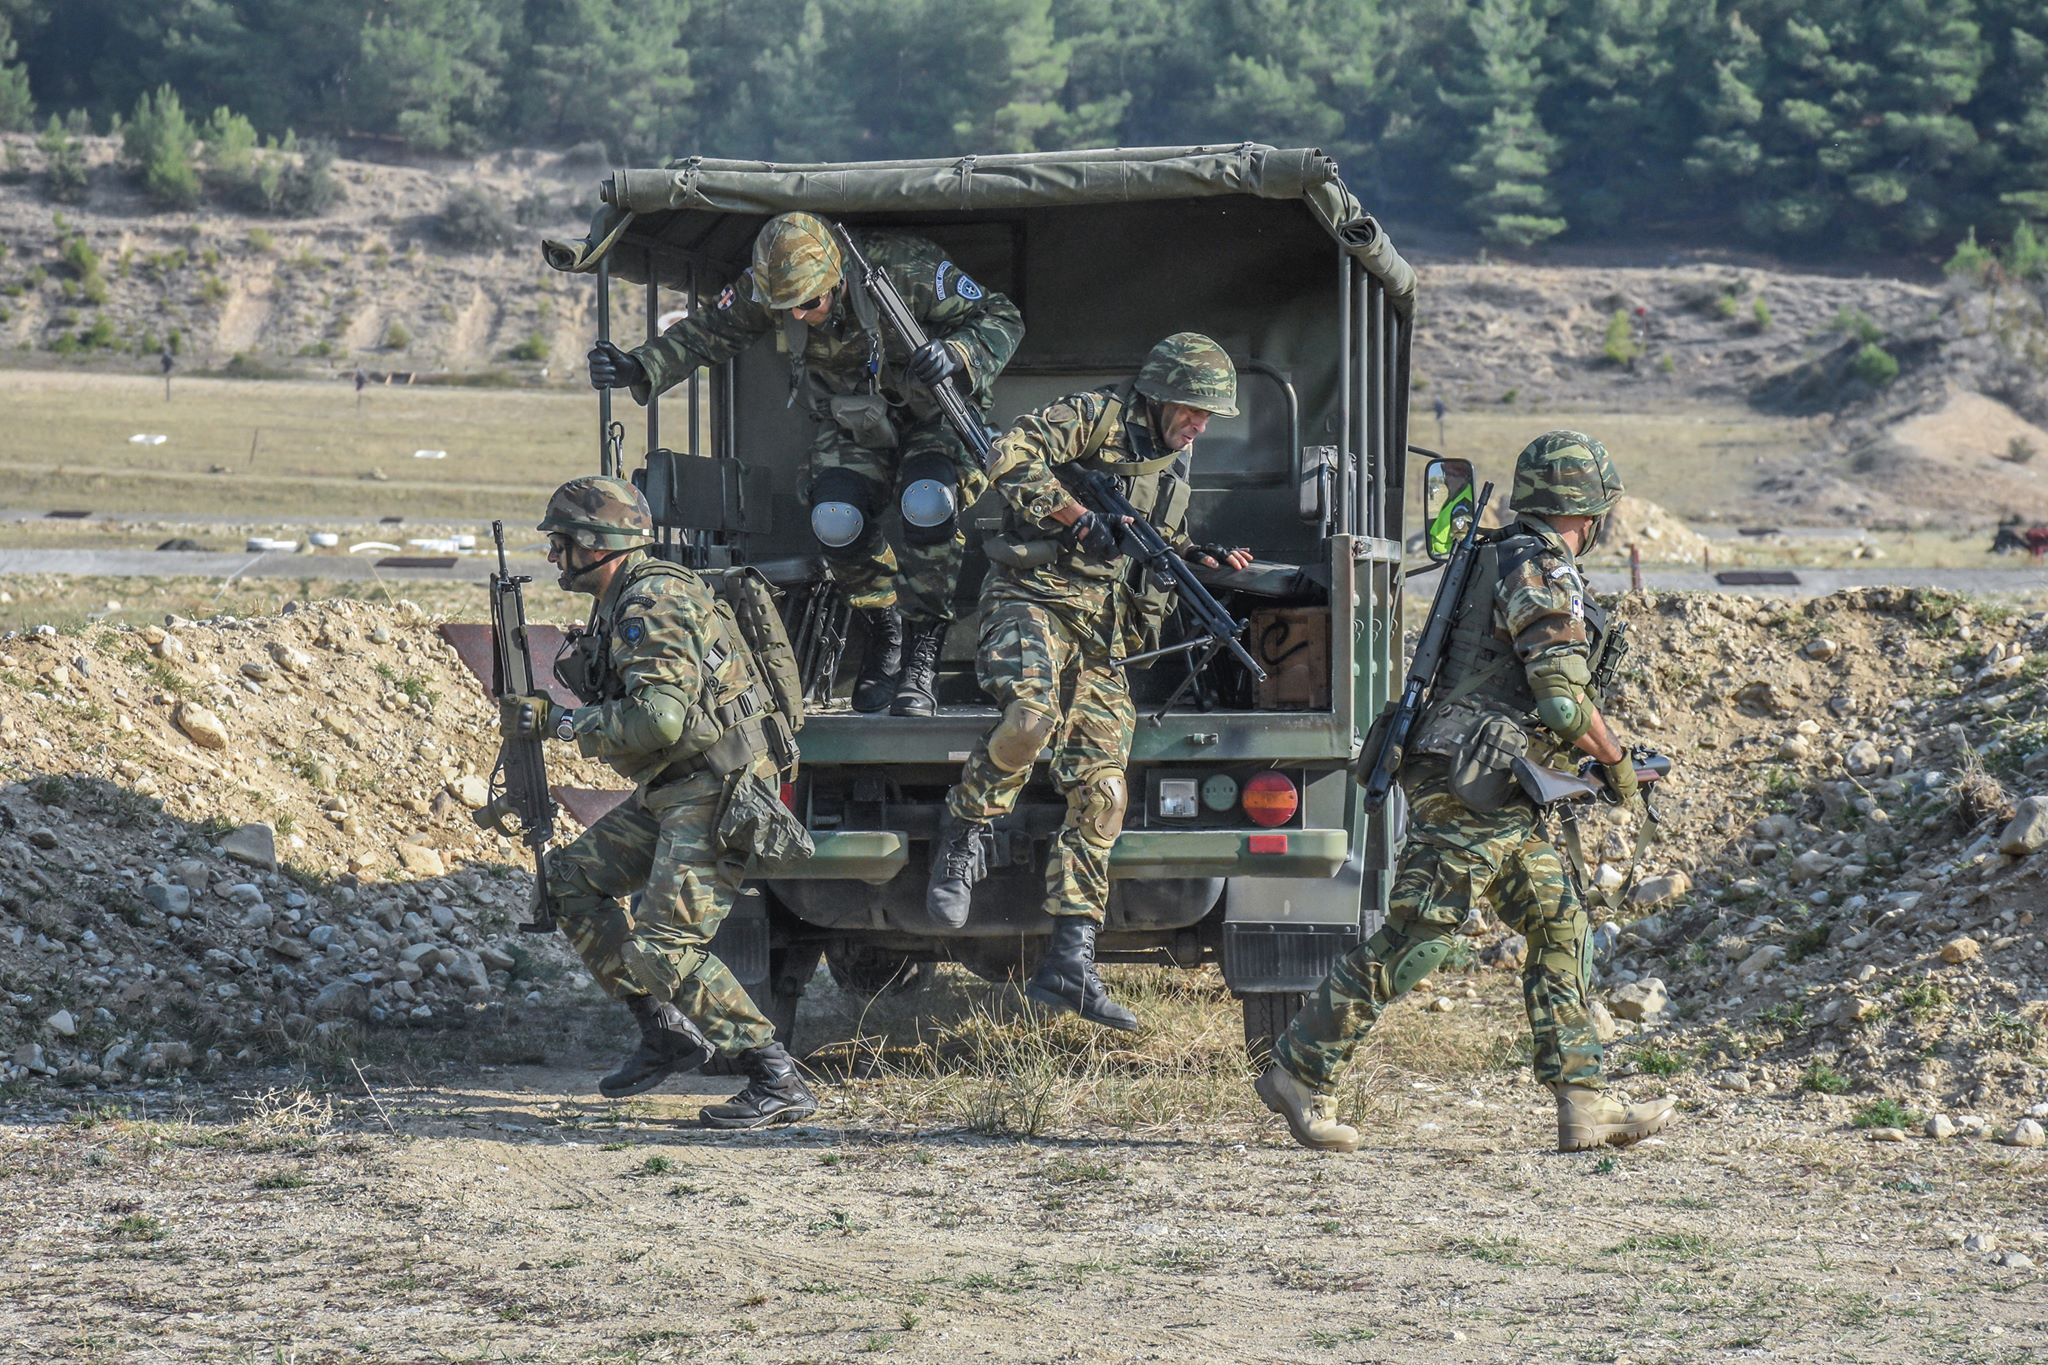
(726, 297)
(633, 630)
(964, 287)
(939, 278)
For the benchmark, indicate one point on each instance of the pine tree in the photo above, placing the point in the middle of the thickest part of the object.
(612, 71)
(157, 145)
(1507, 166)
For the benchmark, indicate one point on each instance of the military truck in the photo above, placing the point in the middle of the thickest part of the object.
(1246, 843)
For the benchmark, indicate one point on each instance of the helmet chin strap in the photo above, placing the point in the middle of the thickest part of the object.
(571, 575)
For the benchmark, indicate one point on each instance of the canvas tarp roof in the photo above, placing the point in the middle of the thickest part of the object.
(969, 183)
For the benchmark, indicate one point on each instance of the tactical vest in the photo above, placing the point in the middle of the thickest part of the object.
(745, 709)
(1482, 712)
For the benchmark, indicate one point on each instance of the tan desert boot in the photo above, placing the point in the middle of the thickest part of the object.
(1311, 1117)
(1589, 1118)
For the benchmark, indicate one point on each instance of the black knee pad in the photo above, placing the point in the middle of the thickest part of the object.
(928, 498)
(843, 513)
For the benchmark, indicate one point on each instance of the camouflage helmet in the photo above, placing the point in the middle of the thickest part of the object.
(1189, 369)
(1565, 473)
(600, 513)
(796, 259)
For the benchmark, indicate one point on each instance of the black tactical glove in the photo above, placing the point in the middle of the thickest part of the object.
(612, 368)
(534, 717)
(1220, 554)
(1099, 537)
(1619, 778)
(933, 363)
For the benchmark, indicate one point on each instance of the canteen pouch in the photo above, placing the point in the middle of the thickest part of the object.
(864, 417)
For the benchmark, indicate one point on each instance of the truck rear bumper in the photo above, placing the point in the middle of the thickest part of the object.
(878, 855)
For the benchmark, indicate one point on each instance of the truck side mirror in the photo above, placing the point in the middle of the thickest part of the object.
(1447, 503)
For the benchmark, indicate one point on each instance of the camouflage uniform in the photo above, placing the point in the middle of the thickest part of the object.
(655, 628)
(848, 355)
(1520, 652)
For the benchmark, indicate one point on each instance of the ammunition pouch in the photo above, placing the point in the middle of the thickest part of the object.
(753, 824)
(580, 665)
(1481, 748)
(864, 417)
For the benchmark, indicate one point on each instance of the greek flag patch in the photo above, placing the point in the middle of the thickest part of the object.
(966, 288)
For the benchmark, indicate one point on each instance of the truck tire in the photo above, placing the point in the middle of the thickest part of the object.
(1266, 1016)
(869, 972)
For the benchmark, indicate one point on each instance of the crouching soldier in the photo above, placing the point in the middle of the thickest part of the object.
(676, 703)
(879, 437)
(1059, 607)
(1518, 676)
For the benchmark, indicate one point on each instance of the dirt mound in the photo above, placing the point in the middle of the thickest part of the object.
(1850, 895)
(236, 838)
(1661, 537)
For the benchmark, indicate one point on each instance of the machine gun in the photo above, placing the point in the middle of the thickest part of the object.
(965, 420)
(521, 807)
(1217, 630)
(1399, 722)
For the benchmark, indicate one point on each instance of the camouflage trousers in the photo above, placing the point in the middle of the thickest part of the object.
(1057, 690)
(1454, 858)
(919, 579)
(658, 842)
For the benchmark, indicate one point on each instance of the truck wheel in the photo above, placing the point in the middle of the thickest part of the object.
(870, 972)
(1266, 1016)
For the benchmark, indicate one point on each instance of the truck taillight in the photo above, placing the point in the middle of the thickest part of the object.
(1270, 799)
(789, 795)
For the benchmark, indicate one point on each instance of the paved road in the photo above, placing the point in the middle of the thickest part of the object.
(270, 564)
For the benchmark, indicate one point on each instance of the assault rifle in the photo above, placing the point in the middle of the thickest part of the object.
(521, 807)
(1548, 787)
(1399, 722)
(1217, 628)
(965, 420)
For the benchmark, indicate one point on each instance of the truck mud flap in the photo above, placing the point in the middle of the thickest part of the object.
(1282, 957)
(741, 942)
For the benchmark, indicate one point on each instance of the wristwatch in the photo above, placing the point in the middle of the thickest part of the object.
(565, 725)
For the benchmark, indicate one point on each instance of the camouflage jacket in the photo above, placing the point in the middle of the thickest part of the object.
(1527, 601)
(659, 661)
(1103, 428)
(839, 354)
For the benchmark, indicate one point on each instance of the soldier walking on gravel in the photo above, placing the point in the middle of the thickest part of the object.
(676, 704)
(1517, 676)
(1059, 606)
(879, 436)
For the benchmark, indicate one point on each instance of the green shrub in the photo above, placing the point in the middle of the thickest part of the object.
(396, 338)
(535, 347)
(99, 336)
(2026, 255)
(1667, 363)
(212, 289)
(175, 341)
(1760, 315)
(261, 241)
(472, 217)
(64, 177)
(1859, 324)
(157, 147)
(1970, 260)
(230, 142)
(1874, 365)
(17, 105)
(1725, 306)
(1621, 346)
(307, 187)
(2020, 450)
(1885, 1113)
(1825, 1079)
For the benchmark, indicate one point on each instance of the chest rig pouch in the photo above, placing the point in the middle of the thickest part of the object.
(864, 415)
(582, 663)
(1482, 716)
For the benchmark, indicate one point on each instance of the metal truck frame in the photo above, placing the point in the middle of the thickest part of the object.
(1105, 252)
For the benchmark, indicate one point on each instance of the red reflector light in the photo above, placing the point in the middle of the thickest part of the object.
(1270, 799)
(789, 795)
(1265, 843)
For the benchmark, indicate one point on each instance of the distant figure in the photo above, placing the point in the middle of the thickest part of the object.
(1440, 411)
(169, 363)
(362, 382)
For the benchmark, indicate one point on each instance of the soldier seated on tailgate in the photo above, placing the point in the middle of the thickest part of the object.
(1059, 606)
(676, 703)
(879, 440)
(1517, 677)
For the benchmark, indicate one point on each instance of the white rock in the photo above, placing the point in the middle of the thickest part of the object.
(200, 725)
(2027, 831)
(1981, 1241)
(1762, 960)
(1939, 1127)
(1863, 758)
(2025, 1133)
(1657, 890)
(421, 861)
(1884, 1135)
(1640, 1000)
(1821, 649)
(62, 1024)
(254, 844)
(1961, 948)
(1734, 1081)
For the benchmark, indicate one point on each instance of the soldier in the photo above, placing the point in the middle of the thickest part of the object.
(1518, 671)
(878, 436)
(1057, 609)
(675, 704)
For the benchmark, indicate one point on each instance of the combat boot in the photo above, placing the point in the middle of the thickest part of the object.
(915, 694)
(959, 862)
(881, 663)
(1066, 978)
(1311, 1115)
(669, 1043)
(774, 1093)
(1589, 1118)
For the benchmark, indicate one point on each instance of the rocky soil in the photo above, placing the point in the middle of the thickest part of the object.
(232, 839)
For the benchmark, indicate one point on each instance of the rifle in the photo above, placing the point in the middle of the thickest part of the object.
(1219, 629)
(1423, 667)
(896, 312)
(521, 806)
(1548, 787)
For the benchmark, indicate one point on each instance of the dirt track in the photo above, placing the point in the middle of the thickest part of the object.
(509, 1214)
